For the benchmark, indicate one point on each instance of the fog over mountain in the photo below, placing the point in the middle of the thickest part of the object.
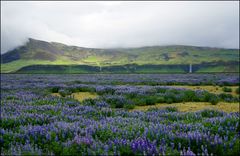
(121, 24)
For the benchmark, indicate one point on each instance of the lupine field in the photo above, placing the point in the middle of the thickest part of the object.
(36, 122)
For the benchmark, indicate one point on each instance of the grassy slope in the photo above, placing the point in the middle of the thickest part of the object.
(66, 67)
(39, 52)
(16, 65)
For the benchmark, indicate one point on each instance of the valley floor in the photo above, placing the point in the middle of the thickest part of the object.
(120, 114)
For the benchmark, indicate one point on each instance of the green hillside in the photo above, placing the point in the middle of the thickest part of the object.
(36, 52)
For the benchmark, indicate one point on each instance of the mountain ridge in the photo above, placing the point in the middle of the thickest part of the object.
(38, 52)
(147, 46)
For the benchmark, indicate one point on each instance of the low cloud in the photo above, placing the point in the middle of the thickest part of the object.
(121, 24)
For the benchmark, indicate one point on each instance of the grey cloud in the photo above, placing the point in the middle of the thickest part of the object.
(121, 24)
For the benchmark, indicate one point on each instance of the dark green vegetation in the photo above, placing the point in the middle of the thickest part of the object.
(129, 68)
(237, 90)
(129, 100)
(50, 57)
(226, 89)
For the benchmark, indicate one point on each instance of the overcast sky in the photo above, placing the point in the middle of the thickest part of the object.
(121, 24)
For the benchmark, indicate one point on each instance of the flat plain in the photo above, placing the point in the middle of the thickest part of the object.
(120, 114)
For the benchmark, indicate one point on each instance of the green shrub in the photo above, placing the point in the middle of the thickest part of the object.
(131, 95)
(237, 90)
(175, 91)
(225, 96)
(169, 96)
(160, 99)
(117, 101)
(139, 101)
(86, 89)
(73, 90)
(64, 93)
(151, 101)
(206, 97)
(169, 100)
(227, 89)
(171, 109)
(129, 105)
(214, 100)
(54, 90)
(189, 95)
